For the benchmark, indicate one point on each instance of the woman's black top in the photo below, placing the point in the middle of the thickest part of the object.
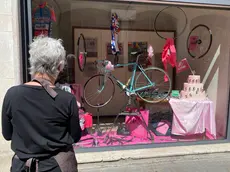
(38, 125)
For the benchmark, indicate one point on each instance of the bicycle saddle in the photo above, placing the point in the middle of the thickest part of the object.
(137, 52)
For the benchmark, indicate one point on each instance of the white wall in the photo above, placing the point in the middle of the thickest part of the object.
(10, 62)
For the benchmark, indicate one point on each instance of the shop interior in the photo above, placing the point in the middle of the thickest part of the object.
(179, 92)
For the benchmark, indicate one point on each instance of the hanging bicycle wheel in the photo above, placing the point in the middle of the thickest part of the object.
(81, 52)
(159, 91)
(199, 41)
(98, 91)
(166, 21)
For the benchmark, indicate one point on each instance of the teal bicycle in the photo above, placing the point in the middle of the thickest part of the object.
(148, 85)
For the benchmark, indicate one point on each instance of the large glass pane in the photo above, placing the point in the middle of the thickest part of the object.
(181, 82)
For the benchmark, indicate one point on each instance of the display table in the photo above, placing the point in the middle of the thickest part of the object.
(192, 117)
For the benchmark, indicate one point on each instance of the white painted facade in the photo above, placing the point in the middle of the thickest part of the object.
(9, 49)
(10, 66)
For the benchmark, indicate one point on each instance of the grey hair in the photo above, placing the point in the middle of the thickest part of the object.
(46, 55)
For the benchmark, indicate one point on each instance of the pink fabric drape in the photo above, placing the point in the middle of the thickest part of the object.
(192, 117)
(169, 55)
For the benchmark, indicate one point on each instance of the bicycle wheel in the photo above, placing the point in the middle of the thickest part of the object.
(98, 91)
(159, 91)
(199, 41)
(162, 20)
(81, 52)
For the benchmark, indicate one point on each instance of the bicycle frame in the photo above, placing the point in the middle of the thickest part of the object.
(131, 89)
(105, 76)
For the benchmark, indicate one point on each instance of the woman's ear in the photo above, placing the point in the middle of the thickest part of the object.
(61, 66)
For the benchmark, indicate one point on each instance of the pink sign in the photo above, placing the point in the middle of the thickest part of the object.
(182, 65)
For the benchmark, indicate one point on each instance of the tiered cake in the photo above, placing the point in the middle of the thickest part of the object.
(193, 89)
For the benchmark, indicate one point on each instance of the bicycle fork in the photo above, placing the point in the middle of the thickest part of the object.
(102, 82)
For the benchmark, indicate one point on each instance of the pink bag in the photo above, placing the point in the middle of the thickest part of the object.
(136, 125)
(86, 120)
(163, 127)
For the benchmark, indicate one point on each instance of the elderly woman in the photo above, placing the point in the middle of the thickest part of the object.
(41, 120)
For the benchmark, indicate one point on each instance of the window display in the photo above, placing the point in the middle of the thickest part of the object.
(144, 73)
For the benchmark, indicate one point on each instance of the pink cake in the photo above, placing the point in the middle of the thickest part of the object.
(193, 89)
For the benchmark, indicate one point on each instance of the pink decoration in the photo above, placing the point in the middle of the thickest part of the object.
(193, 42)
(182, 66)
(88, 120)
(109, 66)
(169, 55)
(163, 127)
(150, 51)
(136, 126)
(81, 58)
(150, 55)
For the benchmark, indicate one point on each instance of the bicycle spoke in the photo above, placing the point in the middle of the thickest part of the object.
(92, 96)
(159, 91)
(98, 96)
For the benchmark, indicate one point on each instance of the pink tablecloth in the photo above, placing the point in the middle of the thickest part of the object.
(192, 117)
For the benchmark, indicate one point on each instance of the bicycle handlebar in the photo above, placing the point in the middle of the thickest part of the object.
(102, 62)
(105, 62)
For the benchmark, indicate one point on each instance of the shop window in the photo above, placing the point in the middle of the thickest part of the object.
(176, 89)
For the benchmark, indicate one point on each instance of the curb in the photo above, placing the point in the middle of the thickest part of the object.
(111, 156)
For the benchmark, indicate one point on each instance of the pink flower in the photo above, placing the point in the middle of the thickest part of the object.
(150, 51)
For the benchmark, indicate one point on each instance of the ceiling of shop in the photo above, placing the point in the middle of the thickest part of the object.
(67, 5)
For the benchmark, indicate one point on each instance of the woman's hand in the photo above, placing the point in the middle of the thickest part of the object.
(78, 104)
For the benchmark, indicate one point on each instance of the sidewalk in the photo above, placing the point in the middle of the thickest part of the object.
(151, 153)
(194, 158)
(216, 162)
